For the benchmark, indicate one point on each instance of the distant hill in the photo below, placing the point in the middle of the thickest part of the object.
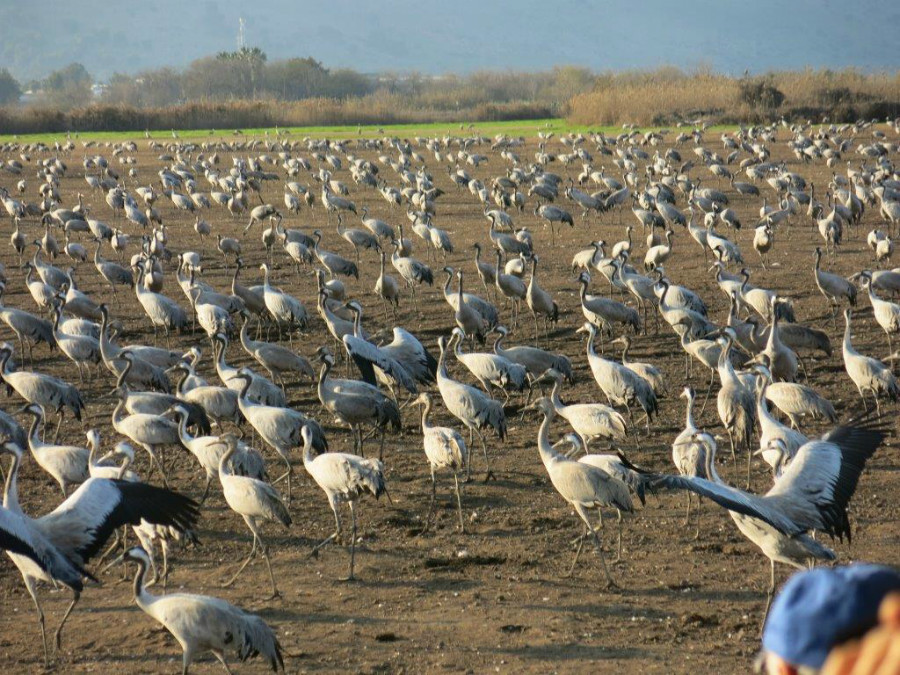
(459, 36)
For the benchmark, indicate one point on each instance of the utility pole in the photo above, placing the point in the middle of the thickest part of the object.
(241, 34)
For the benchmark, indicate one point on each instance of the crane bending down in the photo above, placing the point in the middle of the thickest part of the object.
(811, 494)
(202, 623)
(343, 478)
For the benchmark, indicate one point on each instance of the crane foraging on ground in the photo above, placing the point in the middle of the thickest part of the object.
(202, 623)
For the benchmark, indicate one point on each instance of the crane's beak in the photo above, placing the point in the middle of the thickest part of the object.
(115, 562)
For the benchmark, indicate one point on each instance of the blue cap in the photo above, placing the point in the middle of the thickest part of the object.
(824, 607)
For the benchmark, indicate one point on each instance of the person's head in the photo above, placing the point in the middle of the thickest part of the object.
(819, 609)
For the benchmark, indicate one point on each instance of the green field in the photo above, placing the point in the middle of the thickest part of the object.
(513, 128)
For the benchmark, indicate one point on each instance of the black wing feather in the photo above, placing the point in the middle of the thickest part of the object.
(140, 501)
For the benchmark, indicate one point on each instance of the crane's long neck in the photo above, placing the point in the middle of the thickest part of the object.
(119, 412)
(246, 342)
(34, 441)
(120, 381)
(183, 434)
(426, 410)
(711, 472)
(848, 347)
(11, 487)
(442, 363)
(762, 406)
(689, 415)
(224, 466)
(548, 454)
(726, 369)
(141, 596)
(323, 377)
(554, 397)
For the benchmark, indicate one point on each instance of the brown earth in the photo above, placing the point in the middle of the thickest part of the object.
(496, 598)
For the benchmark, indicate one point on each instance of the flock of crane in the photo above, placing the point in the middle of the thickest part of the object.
(168, 399)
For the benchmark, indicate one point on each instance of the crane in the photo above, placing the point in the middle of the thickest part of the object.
(868, 374)
(445, 449)
(470, 406)
(79, 527)
(344, 478)
(253, 500)
(811, 494)
(204, 623)
(581, 485)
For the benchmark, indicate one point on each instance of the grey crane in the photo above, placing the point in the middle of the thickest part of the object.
(67, 464)
(413, 272)
(356, 403)
(540, 301)
(29, 329)
(49, 392)
(356, 238)
(79, 527)
(554, 214)
(275, 358)
(491, 371)
(469, 405)
(620, 385)
(344, 478)
(689, 454)
(386, 288)
(887, 314)
(617, 467)
(151, 432)
(735, 403)
(162, 311)
(868, 374)
(833, 287)
(368, 356)
(536, 361)
(253, 500)
(203, 623)
(278, 427)
(510, 287)
(581, 485)
(603, 312)
(811, 494)
(445, 449)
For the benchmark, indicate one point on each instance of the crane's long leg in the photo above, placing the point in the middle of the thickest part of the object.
(770, 592)
(251, 523)
(619, 539)
(487, 462)
(333, 536)
(431, 505)
(57, 638)
(220, 656)
(697, 517)
(247, 561)
(462, 527)
(584, 532)
(29, 586)
(287, 474)
(712, 377)
(584, 516)
(350, 577)
(687, 515)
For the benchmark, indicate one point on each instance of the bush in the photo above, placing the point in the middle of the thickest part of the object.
(760, 94)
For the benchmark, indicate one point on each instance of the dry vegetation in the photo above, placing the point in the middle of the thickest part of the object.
(670, 95)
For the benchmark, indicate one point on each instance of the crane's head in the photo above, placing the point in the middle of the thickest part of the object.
(33, 409)
(687, 392)
(135, 554)
(93, 437)
(569, 439)
(543, 405)
(125, 450)
(10, 446)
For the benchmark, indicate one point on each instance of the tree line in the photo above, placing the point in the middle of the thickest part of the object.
(247, 75)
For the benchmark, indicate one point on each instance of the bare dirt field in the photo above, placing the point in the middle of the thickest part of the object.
(495, 599)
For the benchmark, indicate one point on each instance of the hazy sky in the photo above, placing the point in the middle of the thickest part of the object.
(453, 36)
